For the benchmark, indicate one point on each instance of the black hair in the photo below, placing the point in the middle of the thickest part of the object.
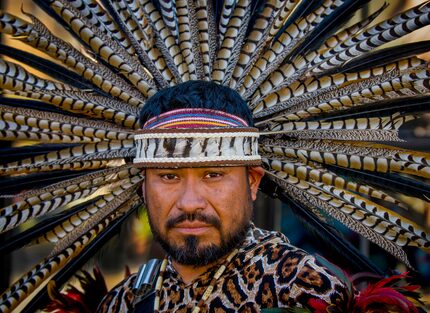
(196, 94)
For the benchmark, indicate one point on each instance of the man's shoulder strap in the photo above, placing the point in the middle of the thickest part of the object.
(144, 286)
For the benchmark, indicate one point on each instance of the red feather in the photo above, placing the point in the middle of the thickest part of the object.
(385, 294)
(72, 300)
(318, 305)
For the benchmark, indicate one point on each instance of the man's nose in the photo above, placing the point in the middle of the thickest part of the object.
(191, 197)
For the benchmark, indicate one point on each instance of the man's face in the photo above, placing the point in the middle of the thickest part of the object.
(200, 214)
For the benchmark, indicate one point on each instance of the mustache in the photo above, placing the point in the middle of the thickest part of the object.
(197, 216)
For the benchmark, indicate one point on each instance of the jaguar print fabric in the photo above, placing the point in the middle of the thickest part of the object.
(267, 272)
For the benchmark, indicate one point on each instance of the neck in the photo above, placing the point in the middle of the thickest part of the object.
(189, 273)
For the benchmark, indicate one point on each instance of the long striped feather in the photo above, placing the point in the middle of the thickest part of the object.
(146, 42)
(317, 225)
(228, 53)
(343, 89)
(75, 102)
(348, 32)
(109, 175)
(65, 273)
(49, 68)
(392, 182)
(69, 233)
(85, 156)
(166, 42)
(52, 195)
(21, 213)
(255, 41)
(207, 35)
(403, 231)
(37, 35)
(35, 277)
(336, 209)
(409, 229)
(287, 7)
(384, 128)
(169, 14)
(226, 12)
(375, 36)
(292, 70)
(356, 155)
(129, 23)
(106, 49)
(316, 173)
(75, 223)
(60, 125)
(274, 57)
(18, 240)
(187, 37)
(96, 15)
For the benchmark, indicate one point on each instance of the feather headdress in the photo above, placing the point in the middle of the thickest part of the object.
(328, 106)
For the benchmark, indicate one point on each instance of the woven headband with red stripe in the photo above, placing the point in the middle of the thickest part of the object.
(194, 118)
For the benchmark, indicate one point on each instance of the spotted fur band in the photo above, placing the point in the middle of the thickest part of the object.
(191, 137)
(197, 147)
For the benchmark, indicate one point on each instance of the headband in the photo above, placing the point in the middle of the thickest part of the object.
(195, 138)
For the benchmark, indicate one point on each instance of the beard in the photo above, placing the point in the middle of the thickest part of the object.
(191, 251)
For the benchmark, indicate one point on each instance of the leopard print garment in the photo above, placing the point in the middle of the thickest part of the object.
(267, 272)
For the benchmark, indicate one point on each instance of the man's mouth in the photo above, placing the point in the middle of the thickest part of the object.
(196, 220)
(192, 227)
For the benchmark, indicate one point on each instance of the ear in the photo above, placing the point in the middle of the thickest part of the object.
(255, 174)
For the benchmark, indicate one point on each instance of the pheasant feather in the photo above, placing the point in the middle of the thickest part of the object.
(228, 53)
(338, 210)
(255, 42)
(317, 173)
(68, 187)
(375, 36)
(169, 14)
(34, 278)
(60, 125)
(79, 157)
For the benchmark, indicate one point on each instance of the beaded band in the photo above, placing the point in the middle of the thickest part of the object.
(194, 118)
(224, 140)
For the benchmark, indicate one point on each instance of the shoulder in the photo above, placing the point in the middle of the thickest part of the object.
(300, 277)
(120, 298)
(296, 274)
(296, 265)
(275, 249)
(312, 280)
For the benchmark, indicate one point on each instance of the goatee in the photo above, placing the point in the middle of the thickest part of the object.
(191, 254)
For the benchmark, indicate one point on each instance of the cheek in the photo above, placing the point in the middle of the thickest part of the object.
(156, 204)
(232, 206)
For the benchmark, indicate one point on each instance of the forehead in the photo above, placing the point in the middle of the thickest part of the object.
(197, 170)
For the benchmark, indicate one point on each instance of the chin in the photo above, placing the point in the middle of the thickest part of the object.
(200, 243)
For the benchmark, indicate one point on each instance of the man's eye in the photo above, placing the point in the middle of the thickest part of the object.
(213, 175)
(168, 176)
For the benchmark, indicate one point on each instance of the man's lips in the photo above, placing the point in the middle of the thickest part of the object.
(194, 227)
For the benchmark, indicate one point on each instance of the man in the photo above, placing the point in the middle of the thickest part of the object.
(199, 153)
